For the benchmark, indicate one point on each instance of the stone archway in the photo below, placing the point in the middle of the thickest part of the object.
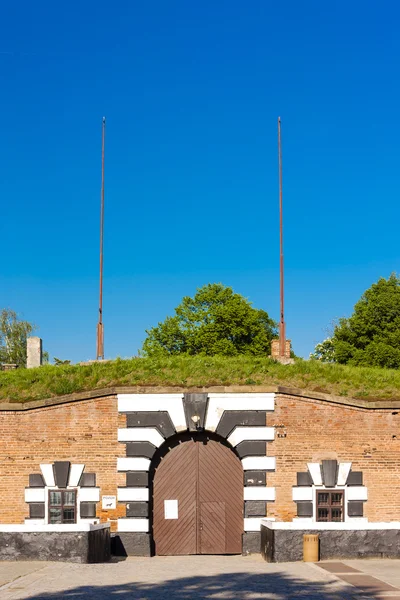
(197, 496)
(152, 422)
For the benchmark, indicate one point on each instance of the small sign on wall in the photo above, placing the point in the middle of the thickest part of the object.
(170, 509)
(108, 502)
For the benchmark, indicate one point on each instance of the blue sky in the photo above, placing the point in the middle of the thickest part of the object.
(192, 92)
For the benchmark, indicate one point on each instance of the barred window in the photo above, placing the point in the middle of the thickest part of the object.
(330, 506)
(62, 506)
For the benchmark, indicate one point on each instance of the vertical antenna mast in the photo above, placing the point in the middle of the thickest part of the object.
(282, 332)
(100, 330)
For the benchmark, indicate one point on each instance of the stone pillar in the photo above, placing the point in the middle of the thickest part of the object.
(33, 352)
(275, 349)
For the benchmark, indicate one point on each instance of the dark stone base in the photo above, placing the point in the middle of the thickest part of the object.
(140, 544)
(251, 542)
(78, 547)
(279, 545)
(131, 544)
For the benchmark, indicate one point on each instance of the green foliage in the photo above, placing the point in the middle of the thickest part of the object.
(216, 321)
(371, 336)
(58, 362)
(324, 351)
(13, 334)
(198, 372)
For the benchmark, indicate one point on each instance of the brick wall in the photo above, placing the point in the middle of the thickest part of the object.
(306, 431)
(311, 430)
(275, 348)
(82, 432)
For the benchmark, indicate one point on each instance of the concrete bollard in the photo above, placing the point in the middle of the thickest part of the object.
(33, 352)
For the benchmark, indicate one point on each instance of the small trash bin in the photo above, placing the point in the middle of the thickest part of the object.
(311, 547)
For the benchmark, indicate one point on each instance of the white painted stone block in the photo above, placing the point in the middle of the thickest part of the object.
(356, 492)
(259, 493)
(141, 434)
(131, 494)
(172, 403)
(88, 494)
(35, 522)
(343, 473)
(303, 520)
(241, 434)
(315, 472)
(302, 493)
(218, 403)
(252, 524)
(75, 473)
(359, 521)
(133, 464)
(138, 525)
(84, 525)
(348, 525)
(259, 463)
(35, 495)
(48, 475)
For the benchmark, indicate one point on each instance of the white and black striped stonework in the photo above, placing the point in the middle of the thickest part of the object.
(61, 475)
(329, 474)
(153, 418)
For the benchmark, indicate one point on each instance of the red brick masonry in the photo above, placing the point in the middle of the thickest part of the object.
(307, 430)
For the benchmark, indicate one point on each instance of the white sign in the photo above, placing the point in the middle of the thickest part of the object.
(108, 502)
(170, 509)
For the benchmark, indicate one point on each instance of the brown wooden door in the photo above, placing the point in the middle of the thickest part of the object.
(212, 528)
(175, 479)
(205, 479)
(220, 478)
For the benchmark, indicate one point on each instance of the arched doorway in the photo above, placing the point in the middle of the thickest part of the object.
(197, 496)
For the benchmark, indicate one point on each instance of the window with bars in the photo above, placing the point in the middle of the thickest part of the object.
(330, 506)
(62, 506)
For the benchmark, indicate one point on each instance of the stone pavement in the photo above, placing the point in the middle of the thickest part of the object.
(176, 578)
(12, 570)
(386, 570)
(377, 579)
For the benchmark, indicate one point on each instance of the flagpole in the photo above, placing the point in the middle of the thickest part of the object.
(100, 329)
(282, 331)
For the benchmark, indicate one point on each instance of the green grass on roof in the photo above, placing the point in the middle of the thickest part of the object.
(23, 385)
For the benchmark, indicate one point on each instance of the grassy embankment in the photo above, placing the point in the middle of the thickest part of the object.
(23, 385)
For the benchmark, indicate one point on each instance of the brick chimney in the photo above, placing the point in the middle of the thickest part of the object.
(275, 349)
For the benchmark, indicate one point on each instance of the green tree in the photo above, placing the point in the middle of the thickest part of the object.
(324, 351)
(59, 362)
(215, 321)
(13, 334)
(371, 336)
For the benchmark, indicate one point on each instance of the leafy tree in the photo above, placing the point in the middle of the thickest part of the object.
(59, 362)
(215, 321)
(324, 351)
(371, 336)
(13, 334)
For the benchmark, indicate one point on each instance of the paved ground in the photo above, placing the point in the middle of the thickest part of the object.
(374, 578)
(10, 571)
(199, 577)
(386, 570)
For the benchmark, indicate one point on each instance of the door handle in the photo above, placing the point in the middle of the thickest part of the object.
(201, 526)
